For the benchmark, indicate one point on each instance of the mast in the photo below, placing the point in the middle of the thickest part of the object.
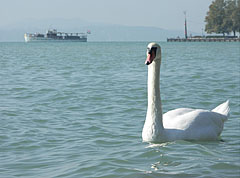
(185, 24)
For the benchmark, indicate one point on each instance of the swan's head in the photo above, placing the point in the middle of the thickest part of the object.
(153, 53)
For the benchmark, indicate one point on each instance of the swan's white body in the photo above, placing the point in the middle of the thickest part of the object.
(182, 123)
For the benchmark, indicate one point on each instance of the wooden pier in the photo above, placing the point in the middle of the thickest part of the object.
(203, 39)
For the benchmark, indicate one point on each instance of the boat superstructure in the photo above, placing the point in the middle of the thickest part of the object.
(54, 35)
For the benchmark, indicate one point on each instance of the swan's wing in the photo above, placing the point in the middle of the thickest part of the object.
(175, 119)
(184, 118)
(178, 112)
(195, 122)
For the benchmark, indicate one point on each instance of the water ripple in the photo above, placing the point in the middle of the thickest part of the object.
(77, 110)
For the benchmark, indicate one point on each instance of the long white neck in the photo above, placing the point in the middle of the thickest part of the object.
(153, 126)
(154, 111)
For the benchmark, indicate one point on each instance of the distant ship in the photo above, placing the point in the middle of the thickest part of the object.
(54, 35)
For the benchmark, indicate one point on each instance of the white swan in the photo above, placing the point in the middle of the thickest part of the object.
(178, 124)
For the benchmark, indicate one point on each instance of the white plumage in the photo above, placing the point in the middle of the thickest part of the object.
(178, 124)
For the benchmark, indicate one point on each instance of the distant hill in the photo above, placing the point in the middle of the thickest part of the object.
(100, 32)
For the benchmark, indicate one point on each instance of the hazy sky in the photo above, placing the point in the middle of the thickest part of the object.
(167, 14)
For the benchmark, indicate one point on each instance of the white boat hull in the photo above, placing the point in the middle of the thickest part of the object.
(45, 38)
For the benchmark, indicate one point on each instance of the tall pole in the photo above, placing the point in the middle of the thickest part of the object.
(185, 24)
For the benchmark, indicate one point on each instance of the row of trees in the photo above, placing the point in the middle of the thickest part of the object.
(223, 17)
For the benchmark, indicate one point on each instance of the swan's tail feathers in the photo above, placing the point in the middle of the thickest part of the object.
(223, 109)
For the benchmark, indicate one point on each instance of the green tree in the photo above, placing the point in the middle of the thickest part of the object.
(223, 17)
(228, 18)
(215, 18)
(236, 18)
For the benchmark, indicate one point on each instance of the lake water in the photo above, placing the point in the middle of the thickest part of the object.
(77, 109)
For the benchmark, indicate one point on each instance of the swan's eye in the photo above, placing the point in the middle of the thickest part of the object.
(154, 49)
(150, 50)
